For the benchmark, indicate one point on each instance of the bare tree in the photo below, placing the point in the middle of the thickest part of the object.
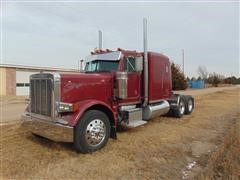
(202, 72)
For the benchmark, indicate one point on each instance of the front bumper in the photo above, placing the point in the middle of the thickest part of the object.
(48, 129)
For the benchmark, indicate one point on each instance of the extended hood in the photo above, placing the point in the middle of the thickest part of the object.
(81, 86)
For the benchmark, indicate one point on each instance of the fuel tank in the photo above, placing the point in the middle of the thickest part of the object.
(155, 110)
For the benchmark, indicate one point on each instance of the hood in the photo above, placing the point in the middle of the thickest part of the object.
(81, 86)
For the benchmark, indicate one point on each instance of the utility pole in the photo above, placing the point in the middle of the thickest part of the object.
(183, 61)
(99, 39)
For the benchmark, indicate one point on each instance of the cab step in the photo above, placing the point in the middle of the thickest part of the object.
(135, 123)
(134, 118)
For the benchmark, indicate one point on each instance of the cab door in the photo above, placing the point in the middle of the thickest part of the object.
(134, 81)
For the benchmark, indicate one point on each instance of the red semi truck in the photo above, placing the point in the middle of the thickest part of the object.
(116, 88)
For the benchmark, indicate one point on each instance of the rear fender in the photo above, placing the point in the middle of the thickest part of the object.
(83, 106)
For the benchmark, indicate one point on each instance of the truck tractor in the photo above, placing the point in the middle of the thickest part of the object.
(116, 88)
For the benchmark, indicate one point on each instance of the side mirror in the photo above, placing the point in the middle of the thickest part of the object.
(139, 64)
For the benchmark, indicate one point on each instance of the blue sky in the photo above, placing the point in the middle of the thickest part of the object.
(58, 34)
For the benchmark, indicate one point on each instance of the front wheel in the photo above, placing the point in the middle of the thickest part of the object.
(92, 131)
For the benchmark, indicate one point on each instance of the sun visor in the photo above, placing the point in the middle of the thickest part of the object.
(111, 56)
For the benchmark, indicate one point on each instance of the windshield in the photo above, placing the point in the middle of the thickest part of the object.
(100, 65)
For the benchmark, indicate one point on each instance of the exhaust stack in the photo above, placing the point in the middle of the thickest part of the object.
(145, 62)
(99, 39)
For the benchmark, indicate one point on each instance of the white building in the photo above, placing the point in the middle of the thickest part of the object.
(14, 79)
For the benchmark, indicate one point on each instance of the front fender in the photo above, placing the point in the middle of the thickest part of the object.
(72, 118)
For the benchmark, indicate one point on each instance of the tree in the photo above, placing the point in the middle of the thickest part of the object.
(179, 81)
(232, 80)
(202, 72)
(214, 79)
(228, 80)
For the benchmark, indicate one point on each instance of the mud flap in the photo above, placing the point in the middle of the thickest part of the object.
(113, 132)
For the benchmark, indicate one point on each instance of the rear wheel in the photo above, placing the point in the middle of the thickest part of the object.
(189, 105)
(92, 131)
(179, 112)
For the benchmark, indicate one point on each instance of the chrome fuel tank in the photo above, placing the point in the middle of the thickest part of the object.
(122, 85)
(155, 110)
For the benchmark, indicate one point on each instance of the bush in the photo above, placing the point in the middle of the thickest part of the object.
(232, 80)
(228, 80)
(179, 81)
(214, 79)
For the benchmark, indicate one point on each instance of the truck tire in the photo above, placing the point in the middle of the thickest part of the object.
(92, 131)
(189, 105)
(179, 111)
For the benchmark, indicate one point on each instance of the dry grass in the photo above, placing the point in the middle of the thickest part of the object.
(225, 162)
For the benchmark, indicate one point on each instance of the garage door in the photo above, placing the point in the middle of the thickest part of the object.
(22, 82)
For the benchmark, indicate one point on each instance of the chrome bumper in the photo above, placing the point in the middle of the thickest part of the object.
(51, 130)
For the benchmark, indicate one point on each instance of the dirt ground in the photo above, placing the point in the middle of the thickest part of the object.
(164, 148)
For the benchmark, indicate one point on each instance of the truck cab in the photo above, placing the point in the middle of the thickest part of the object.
(116, 88)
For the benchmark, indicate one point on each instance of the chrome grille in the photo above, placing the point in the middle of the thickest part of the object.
(41, 95)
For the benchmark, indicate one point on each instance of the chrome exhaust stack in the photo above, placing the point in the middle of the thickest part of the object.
(99, 39)
(145, 103)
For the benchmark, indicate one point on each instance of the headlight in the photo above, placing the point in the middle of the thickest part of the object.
(65, 107)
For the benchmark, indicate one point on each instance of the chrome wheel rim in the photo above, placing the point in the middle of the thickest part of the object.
(95, 132)
(190, 105)
(182, 108)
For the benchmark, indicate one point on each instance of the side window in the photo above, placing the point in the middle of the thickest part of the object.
(129, 64)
